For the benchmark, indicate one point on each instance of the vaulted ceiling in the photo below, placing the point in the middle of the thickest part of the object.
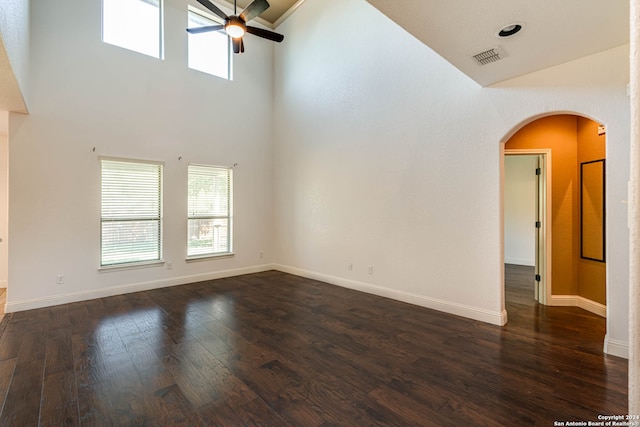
(278, 10)
(554, 32)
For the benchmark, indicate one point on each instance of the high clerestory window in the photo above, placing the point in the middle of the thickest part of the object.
(209, 52)
(133, 24)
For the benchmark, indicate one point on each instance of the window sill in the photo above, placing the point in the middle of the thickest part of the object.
(131, 266)
(210, 257)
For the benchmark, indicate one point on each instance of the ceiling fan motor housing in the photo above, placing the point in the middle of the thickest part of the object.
(235, 26)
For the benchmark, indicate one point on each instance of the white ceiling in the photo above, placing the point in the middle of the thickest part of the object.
(554, 31)
(278, 9)
(10, 94)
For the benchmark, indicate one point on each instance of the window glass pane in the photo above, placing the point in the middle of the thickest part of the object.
(131, 212)
(130, 241)
(208, 191)
(208, 236)
(208, 52)
(209, 210)
(133, 24)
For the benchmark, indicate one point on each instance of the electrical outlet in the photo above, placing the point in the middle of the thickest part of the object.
(169, 266)
(261, 255)
(370, 269)
(60, 279)
(350, 267)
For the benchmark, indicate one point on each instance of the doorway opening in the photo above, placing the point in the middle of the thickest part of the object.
(527, 230)
(562, 152)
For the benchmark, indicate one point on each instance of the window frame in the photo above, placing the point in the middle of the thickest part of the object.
(228, 217)
(215, 20)
(159, 218)
(160, 53)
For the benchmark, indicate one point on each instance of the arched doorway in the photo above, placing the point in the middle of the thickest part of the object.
(576, 148)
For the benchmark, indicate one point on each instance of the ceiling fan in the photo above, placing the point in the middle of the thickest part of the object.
(236, 25)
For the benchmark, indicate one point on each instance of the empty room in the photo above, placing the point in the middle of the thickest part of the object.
(299, 213)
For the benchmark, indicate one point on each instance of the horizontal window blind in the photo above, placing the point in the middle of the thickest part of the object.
(131, 213)
(209, 210)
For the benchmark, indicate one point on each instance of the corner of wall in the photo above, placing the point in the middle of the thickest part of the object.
(616, 348)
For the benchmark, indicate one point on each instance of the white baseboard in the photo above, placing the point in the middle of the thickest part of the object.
(492, 317)
(30, 304)
(616, 347)
(611, 346)
(578, 301)
(518, 261)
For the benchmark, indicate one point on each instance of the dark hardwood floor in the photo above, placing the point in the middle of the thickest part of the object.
(271, 349)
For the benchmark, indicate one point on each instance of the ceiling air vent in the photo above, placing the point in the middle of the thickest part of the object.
(489, 56)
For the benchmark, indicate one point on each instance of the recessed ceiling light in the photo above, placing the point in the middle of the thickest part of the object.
(509, 30)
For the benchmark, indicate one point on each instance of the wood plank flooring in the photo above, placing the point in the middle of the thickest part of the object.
(272, 349)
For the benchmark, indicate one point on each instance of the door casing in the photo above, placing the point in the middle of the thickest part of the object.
(543, 214)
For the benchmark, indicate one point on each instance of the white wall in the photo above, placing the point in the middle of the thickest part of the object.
(385, 156)
(4, 199)
(388, 156)
(520, 209)
(88, 94)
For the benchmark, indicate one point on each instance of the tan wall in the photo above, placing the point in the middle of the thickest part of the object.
(591, 274)
(572, 140)
(559, 133)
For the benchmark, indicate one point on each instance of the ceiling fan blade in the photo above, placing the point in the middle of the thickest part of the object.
(213, 8)
(241, 45)
(237, 45)
(206, 29)
(254, 9)
(265, 34)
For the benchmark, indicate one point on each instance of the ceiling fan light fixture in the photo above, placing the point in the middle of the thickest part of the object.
(235, 29)
(235, 26)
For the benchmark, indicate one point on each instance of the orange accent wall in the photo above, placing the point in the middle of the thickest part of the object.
(559, 133)
(591, 274)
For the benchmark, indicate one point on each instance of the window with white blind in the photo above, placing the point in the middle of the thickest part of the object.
(208, 52)
(133, 24)
(209, 211)
(131, 212)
